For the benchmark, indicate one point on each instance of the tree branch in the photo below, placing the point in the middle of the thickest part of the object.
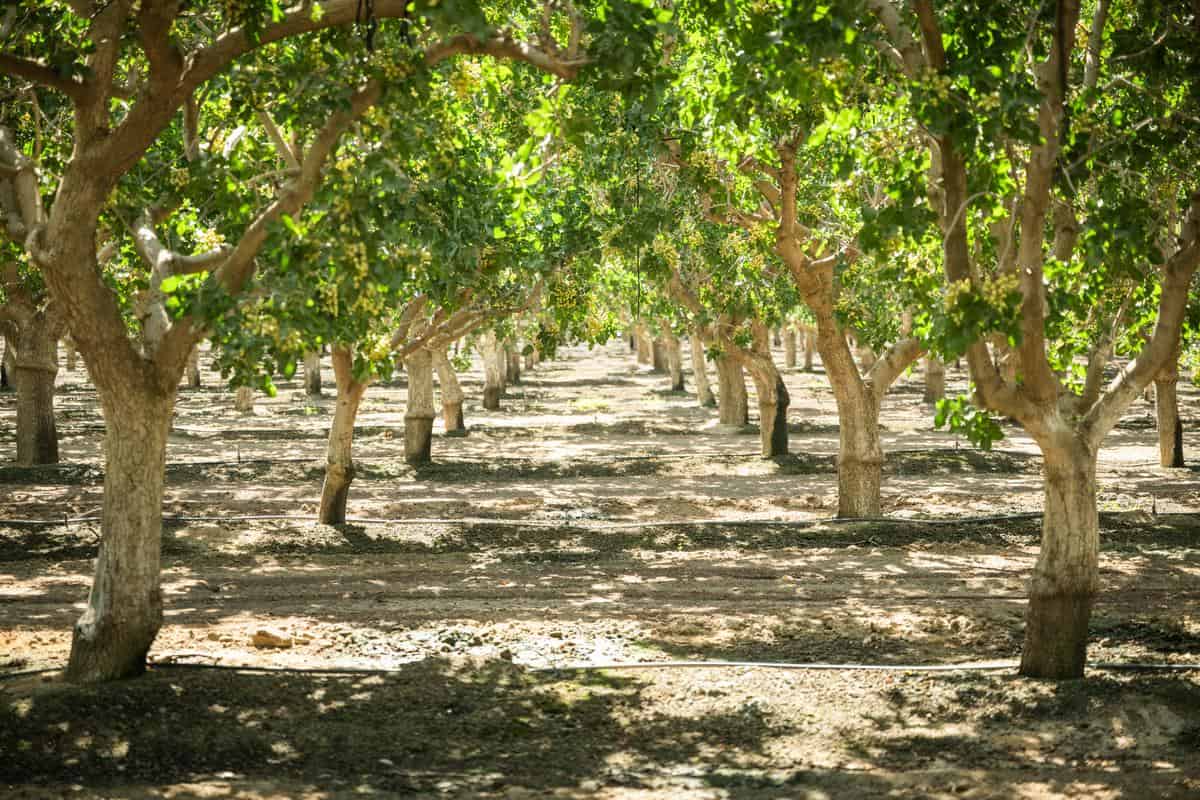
(41, 75)
(891, 365)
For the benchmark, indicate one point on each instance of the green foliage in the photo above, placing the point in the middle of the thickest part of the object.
(961, 417)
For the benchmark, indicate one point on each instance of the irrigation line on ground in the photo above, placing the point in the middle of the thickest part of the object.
(592, 524)
(986, 666)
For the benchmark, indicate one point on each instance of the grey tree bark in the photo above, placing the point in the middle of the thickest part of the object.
(810, 347)
(1166, 407)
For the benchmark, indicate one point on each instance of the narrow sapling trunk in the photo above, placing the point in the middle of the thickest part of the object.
(339, 462)
(312, 373)
(704, 393)
(418, 413)
(674, 361)
(124, 610)
(1066, 576)
(789, 347)
(734, 406)
(493, 373)
(935, 380)
(452, 394)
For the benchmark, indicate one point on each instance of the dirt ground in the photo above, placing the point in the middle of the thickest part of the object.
(596, 518)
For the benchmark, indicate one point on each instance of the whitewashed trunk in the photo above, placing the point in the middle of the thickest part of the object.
(418, 412)
(452, 394)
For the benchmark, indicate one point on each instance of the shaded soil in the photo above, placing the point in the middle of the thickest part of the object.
(596, 519)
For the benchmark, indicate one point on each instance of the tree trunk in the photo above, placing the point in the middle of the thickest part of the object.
(644, 349)
(452, 394)
(789, 347)
(36, 365)
(493, 375)
(8, 365)
(674, 361)
(530, 360)
(734, 406)
(860, 460)
(773, 401)
(243, 401)
(658, 354)
(124, 610)
(704, 393)
(1166, 406)
(810, 346)
(193, 368)
(935, 380)
(866, 357)
(418, 413)
(72, 355)
(312, 373)
(776, 338)
(339, 462)
(513, 368)
(1066, 576)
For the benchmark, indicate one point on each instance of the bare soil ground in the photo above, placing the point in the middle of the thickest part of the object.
(596, 518)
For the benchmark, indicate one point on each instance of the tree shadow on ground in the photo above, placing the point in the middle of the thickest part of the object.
(1107, 735)
(433, 725)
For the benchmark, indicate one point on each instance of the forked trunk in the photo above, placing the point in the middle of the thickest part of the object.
(193, 369)
(789, 347)
(1170, 429)
(452, 394)
(124, 610)
(312, 373)
(339, 461)
(731, 381)
(243, 401)
(418, 413)
(935, 380)
(658, 354)
(674, 361)
(1066, 575)
(36, 369)
(704, 393)
(493, 373)
(865, 356)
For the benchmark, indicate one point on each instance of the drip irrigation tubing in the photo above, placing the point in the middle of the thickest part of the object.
(986, 666)
(585, 523)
